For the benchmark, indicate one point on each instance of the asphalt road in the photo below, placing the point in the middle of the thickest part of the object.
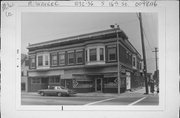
(95, 100)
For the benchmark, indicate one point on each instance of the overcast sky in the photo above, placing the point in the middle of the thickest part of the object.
(39, 27)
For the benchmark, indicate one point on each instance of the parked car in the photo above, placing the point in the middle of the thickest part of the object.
(56, 90)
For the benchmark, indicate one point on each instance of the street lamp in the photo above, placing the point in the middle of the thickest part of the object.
(116, 28)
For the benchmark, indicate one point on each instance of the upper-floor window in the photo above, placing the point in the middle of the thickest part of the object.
(40, 60)
(46, 60)
(26, 62)
(93, 54)
(61, 58)
(32, 62)
(129, 57)
(101, 54)
(54, 59)
(71, 57)
(79, 57)
(111, 53)
(140, 66)
(134, 61)
(86, 55)
(22, 73)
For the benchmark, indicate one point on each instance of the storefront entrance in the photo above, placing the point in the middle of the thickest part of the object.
(98, 84)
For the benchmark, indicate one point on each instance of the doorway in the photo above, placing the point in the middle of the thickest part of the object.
(99, 84)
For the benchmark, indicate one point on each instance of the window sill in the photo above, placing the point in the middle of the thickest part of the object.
(95, 62)
(112, 61)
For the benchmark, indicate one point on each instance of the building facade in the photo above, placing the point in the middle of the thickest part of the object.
(24, 72)
(85, 63)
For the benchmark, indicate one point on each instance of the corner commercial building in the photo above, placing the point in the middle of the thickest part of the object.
(85, 63)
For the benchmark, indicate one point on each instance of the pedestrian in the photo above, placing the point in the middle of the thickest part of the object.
(157, 89)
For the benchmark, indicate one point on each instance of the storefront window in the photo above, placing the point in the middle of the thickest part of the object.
(84, 84)
(54, 59)
(54, 79)
(79, 57)
(61, 58)
(93, 54)
(71, 58)
(36, 80)
(112, 53)
(40, 60)
(110, 82)
(101, 54)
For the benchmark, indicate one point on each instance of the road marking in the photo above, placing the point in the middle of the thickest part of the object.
(99, 101)
(137, 101)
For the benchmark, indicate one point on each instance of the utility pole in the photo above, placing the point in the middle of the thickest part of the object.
(156, 57)
(116, 28)
(144, 55)
(156, 72)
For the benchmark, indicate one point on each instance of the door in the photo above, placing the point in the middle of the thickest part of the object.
(44, 82)
(99, 84)
(68, 84)
(128, 81)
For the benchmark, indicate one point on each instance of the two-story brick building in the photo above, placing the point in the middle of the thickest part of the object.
(86, 63)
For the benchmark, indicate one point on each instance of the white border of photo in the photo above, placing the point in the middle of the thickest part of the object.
(11, 66)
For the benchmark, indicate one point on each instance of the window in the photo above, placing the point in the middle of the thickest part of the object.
(111, 53)
(71, 58)
(93, 55)
(86, 55)
(110, 82)
(36, 80)
(44, 80)
(54, 79)
(26, 62)
(101, 54)
(134, 61)
(84, 84)
(32, 62)
(129, 57)
(22, 73)
(79, 57)
(46, 60)
(40, 60)
(54, 59)
(127, 54)
(140, 66)
(61, 58)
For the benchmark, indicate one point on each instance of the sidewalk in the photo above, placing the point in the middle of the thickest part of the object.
(138, 91)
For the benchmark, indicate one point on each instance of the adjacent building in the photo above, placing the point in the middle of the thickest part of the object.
(24, 72)
(85, 63)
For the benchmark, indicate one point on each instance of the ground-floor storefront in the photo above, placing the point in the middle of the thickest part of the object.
(24, 84)
(83, 80)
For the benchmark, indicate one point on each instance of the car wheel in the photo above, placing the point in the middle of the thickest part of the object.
(42, 93)
(59, 94)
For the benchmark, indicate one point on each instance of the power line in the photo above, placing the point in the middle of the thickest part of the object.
(144, 32)
(147, 39)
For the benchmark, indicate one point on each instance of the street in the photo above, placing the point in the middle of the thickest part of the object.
(129, 98)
